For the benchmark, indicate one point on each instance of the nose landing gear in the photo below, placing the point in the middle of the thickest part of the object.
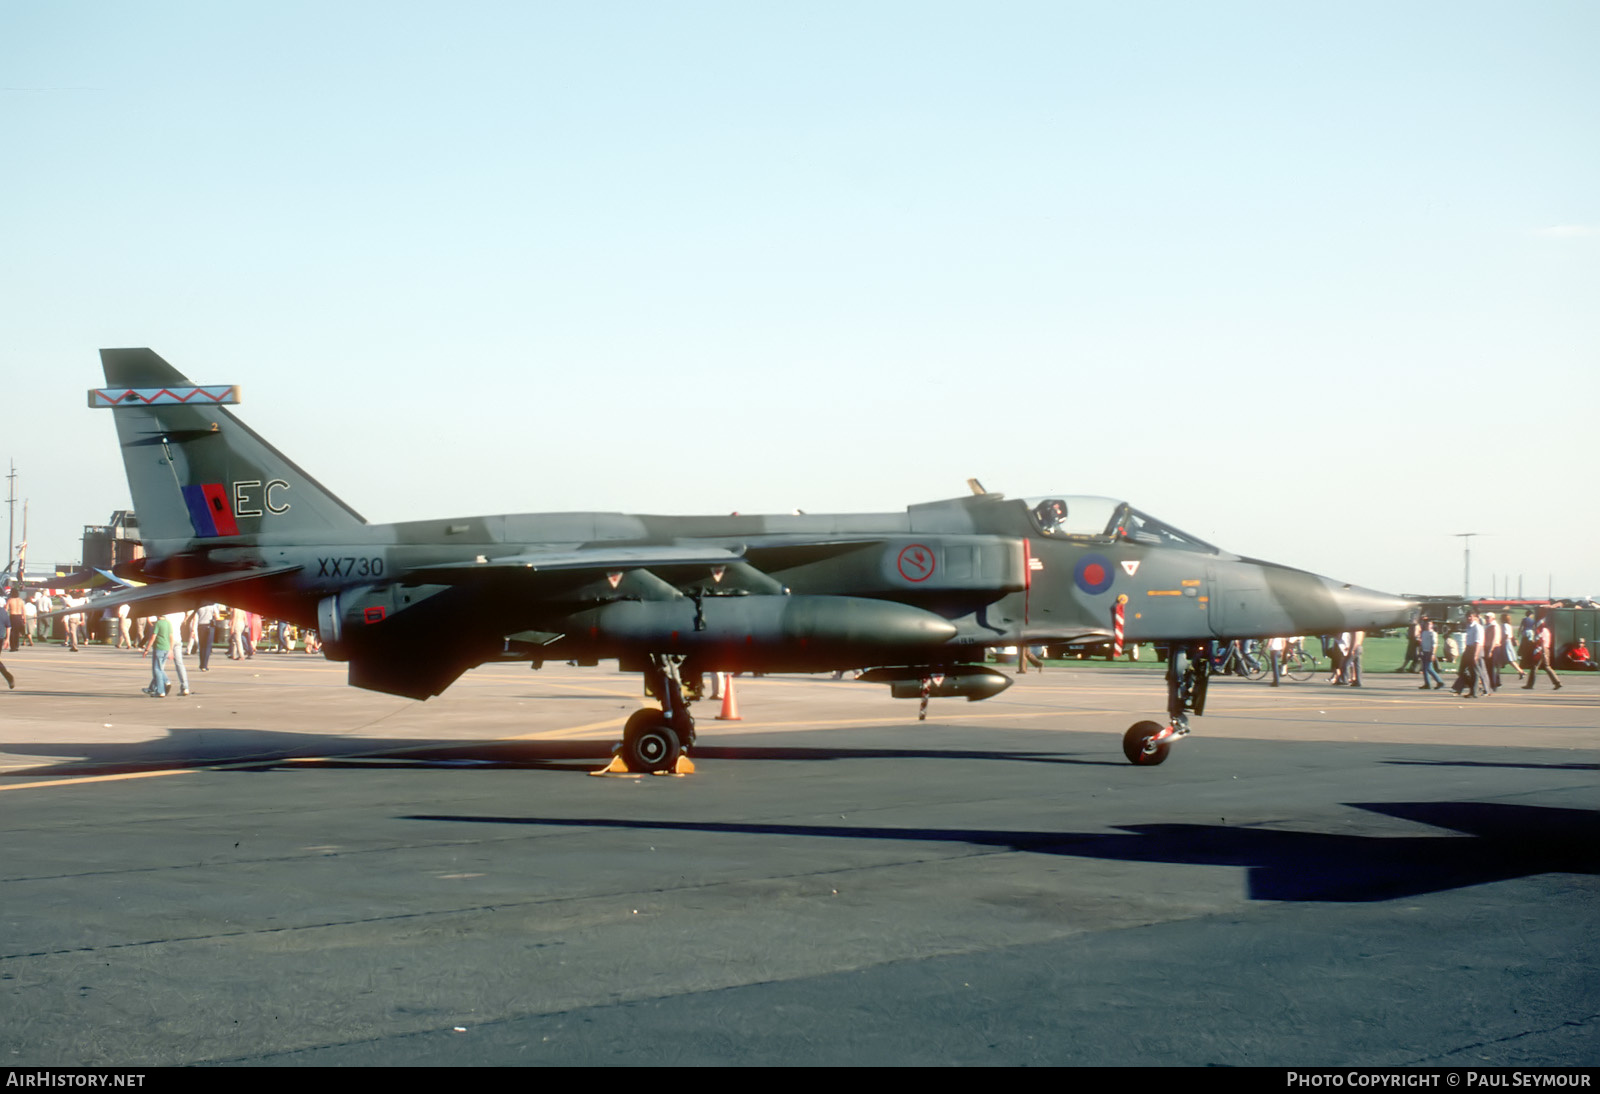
(1188, 671)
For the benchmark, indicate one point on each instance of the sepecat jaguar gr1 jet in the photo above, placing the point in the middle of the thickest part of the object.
(916, 598)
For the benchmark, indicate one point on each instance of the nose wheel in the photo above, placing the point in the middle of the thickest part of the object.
(1147, 743)
(1188, 668)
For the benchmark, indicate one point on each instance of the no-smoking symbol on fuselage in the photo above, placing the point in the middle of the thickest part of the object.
(915, 563)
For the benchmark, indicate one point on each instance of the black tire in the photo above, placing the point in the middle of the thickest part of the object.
(648, 743)
(1133, 744)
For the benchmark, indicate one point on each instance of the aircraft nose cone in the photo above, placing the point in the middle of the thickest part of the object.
(1371, 610)
(1257, 599)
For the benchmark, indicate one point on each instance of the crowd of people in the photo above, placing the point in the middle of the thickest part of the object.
(1488, 645)
(1485, 648)
(1254, 659)
(165, 639)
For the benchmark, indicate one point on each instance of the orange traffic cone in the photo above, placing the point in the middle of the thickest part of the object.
(730, 705)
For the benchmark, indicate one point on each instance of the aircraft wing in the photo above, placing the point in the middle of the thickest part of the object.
(183, 593)
(594, 560)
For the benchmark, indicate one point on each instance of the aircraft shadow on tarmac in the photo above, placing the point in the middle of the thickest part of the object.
(1493, 763)
(212, 747)
(1498, 842)
(255, 749)
(784, 752)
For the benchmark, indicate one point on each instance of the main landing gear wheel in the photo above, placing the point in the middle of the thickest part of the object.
(648, 743)
(1133, 744)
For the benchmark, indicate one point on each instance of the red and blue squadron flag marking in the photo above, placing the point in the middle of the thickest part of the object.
(209, 510)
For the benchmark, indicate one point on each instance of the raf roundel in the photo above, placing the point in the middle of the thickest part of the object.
(1093, 573)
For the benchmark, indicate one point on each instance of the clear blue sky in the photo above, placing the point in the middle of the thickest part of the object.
(1319, 283)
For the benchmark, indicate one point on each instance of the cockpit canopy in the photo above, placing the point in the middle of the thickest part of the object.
(1107, 519)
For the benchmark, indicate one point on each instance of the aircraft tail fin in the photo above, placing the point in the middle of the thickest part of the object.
(195, 471)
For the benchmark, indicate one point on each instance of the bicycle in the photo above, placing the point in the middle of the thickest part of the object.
(1298, 665)
(1250, 666)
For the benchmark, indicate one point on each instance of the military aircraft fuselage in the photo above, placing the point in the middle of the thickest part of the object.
(932, 585)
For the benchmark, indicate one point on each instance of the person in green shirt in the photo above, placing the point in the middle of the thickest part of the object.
(159, 643)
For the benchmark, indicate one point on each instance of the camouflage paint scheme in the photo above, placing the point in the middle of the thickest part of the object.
(410, 606)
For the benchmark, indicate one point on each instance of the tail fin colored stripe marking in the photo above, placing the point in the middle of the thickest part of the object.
(221, 510)
(194, 497)
(209, 511)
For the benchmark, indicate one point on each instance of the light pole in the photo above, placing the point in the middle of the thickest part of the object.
(11, 504)
(1466, 563)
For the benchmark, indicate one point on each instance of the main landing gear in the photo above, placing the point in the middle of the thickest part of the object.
(654, 741)
(1188, 671)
